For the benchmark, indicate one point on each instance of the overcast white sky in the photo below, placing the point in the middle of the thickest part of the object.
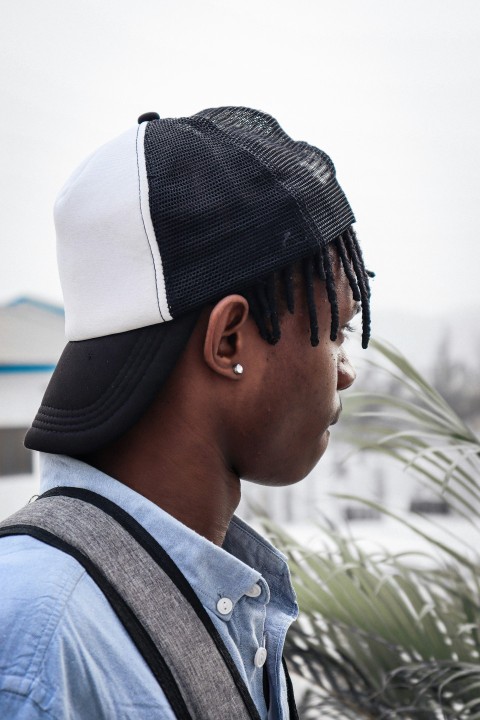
(390, 89)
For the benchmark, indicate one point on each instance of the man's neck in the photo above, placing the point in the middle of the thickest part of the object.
(188, 478)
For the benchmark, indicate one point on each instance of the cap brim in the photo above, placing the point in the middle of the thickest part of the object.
(101, 387)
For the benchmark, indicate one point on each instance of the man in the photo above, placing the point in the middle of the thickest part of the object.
(210, 274)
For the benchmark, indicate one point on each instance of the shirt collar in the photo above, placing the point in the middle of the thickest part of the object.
(213, 572)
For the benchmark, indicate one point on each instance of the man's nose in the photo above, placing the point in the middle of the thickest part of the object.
(345, 372)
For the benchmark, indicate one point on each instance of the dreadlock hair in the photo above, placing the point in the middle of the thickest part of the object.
(263, 296)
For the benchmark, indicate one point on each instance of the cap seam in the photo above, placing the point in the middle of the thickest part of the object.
(143, 223)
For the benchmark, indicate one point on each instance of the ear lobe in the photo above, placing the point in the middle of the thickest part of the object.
(224, 338)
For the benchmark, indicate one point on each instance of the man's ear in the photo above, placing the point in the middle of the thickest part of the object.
(223, 338)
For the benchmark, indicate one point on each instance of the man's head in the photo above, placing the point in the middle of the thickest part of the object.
(157, 231)
(276, 415)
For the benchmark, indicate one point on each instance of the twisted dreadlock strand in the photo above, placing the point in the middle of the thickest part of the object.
(331, 292)
(272, 306)
(366, 273)
(355, 254)
(318, 265)
(347, 266)
(266, 294)
(307, 266)
(287, 275)
(366, 313)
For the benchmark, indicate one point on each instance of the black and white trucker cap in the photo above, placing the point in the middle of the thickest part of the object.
(170, 216)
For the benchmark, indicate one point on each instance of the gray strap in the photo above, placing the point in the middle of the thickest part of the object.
(193, 658)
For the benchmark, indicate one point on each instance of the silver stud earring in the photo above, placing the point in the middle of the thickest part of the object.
(238, 369)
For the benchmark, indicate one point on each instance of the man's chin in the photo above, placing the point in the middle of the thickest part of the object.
(309, 462)
(290, 473)
(322, 446)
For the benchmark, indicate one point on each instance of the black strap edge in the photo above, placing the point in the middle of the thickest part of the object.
(160, 556)
(266, 687)
(290, 694)
(133, 626)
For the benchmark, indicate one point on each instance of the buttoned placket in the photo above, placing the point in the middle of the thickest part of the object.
(259, 594)
(249, 611)
(262, 657)
(280, 610)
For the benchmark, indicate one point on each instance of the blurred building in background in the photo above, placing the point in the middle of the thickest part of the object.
(31, 340)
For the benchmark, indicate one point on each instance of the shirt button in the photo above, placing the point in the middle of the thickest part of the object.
(254, 591)
(224, 606)
(260, 657)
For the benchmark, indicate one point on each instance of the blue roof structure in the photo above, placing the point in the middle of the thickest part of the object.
(31, 336)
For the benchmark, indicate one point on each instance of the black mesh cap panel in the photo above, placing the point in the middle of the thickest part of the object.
(306, 172)
(232, 198)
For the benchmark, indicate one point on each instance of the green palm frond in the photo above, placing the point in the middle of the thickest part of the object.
(417, 427)
(381, 639)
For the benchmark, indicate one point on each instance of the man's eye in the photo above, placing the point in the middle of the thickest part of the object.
(349, 328)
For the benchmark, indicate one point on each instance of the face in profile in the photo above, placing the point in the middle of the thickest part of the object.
(298, 397)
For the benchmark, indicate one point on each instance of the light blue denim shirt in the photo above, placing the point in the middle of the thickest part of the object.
(65, 655)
